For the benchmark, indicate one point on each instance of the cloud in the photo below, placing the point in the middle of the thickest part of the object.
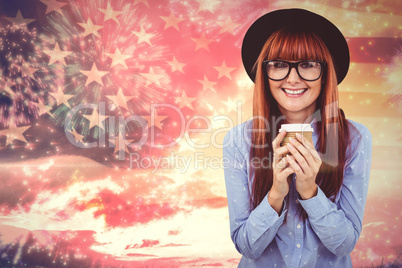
(140, 255)
(131, 213)
(146, 243)
(175, 245)
(174, 232)
(216, 202)
(22, 182)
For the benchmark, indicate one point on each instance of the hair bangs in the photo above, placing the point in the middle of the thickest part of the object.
(295, 46)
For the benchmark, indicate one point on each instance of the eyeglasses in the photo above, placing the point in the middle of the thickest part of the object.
(309, 70)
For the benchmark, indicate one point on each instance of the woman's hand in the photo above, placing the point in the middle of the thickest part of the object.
(306, 163)
(281, 171)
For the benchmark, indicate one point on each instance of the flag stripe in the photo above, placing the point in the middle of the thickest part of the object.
(367, 104)
(373, 50)
(386, 131)
(368, 78)
(386, 157)
(385, 183)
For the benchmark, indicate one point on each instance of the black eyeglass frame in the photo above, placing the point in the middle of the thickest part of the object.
(293, 65)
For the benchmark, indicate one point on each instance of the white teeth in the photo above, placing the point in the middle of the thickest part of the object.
(294, 92)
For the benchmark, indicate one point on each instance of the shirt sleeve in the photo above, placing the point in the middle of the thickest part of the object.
(338, 225)
(251, 231)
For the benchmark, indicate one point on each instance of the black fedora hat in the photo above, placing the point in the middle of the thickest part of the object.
(262, 28)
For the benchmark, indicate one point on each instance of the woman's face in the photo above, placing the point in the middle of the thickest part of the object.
(293, 83)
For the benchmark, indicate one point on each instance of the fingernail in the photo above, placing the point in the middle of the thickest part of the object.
(289, 145)
(298, 135)
(291, 139)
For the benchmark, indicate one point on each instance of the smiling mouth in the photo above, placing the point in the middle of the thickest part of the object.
(294, 92)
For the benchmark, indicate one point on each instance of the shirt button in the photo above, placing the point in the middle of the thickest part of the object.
(297, 201)
(298, 245)
(298, 226)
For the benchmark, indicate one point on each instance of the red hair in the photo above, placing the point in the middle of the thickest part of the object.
(331, 122)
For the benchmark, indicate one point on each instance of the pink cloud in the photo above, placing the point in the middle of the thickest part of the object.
(140, 255)
(146, 243)
(175, 245)
(174, 232)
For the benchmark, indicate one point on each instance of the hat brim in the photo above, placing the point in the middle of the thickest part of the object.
(262, 28)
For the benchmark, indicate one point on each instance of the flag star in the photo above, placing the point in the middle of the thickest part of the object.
(172, 21)
(143, 36)
(230, 105)
(147, 105)
(94, 75)
(120, 143)
(118, 58)
(120, 99)
(95, 119)
(78, 137)
(90, 28)
(202, 42)
(14, 133)
(53, 5)
(206, 84)
(43, 108)
(26, 70)
(145, 2)
(157, 119)
(19, 19)
(152, 78)
(57, 55)
(61, 98)
(5, 86)
(176, 65)
(207, 5)
(224, 70)
(228, 26)
(110, 13)
(183, 101)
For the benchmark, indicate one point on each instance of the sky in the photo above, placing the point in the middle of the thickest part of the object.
(112, 118)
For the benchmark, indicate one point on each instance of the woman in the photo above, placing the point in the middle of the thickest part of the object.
(304, 209)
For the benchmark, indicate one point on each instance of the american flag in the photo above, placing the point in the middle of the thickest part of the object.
(105, 106)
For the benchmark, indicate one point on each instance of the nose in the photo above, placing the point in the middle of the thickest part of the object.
(293, 76)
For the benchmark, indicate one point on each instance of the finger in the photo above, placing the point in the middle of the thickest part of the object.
(277, 158)
(308, 158)
(282, 164)
(299, 158)
(282, 150)
(295, 166)
(277, 141)
(304, 141)
(309, 146)
(287, 171)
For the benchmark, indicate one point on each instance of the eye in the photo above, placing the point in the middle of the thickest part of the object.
(279, 64)
(309, 64)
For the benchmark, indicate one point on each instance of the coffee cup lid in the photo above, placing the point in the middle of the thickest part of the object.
(296, 128)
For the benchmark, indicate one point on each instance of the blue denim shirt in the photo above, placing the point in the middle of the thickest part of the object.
(330, 232)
